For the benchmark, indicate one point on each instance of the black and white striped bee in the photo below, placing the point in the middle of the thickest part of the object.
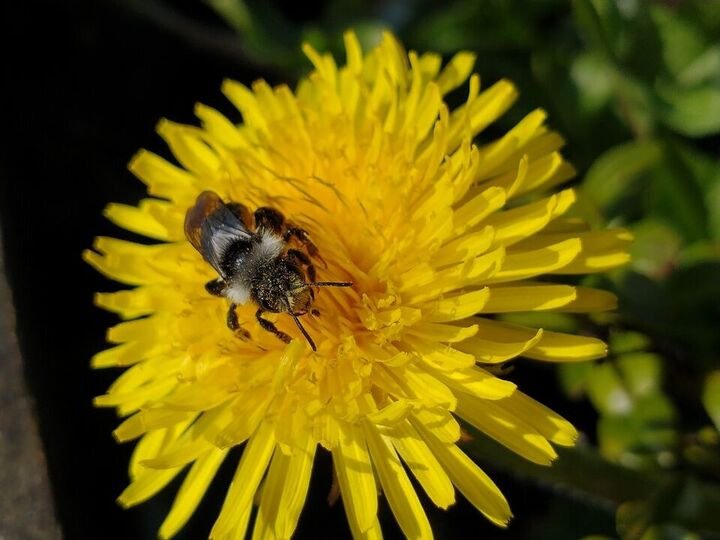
(256, 260)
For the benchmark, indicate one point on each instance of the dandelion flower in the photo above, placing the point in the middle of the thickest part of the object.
(438, 230)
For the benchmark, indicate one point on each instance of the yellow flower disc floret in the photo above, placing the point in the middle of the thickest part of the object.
(399, 200)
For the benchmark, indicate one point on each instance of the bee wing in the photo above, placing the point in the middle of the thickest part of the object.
(211, 227)
(205, 204)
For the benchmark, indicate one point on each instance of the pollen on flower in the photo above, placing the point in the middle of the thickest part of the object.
(437, 229)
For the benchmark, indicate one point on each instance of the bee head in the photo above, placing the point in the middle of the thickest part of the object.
(282, 289)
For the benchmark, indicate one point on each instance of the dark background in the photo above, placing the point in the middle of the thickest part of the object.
(85, 83)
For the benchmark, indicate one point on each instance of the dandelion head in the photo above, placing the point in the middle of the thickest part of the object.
(437, 230)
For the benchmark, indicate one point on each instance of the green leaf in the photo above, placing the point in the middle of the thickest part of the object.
(633, 519)
(574, 377)
(682, 42)
(675, 196)
(711, 397)
(704, 169)
(635, 438)
(591, 74)
(607, 392)
(635, 103)
(655, 250)
(592, 28)
(705, 68)
(694, 112)
(641, 372)
(235, 13)
(616, 171)
(712, 197)
(628, 341)
(669, 532)
(642, 301)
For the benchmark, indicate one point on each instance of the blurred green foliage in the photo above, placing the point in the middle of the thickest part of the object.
(634, 86)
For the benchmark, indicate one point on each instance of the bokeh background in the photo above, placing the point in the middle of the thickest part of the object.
(633, 85)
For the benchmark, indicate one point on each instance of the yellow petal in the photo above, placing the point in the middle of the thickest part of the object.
(392, 414)
(440, 422)
(353, 52)
(477, 382)
(373, 533)
(283, 493)
(513, 225)
(551, 346)
(502, 154)
(590, 300)
(468, 478)
(508, 429)
(454, 308)
(471, 272)
(355, 477)
(174, 456)
(496, 350)
(478, 208)
(147, 484)
(445, 333)
(191, 491)
(162, 178)
(423, 464)
(440, 356)
(149, 446)
(294, 489)
(559, 347)
(137, 219)
(464, 247)
(456, 71)
(528, 298)
(147, 393)
(236, 508)
(482, 111)
(423, 386)
(396, 486)
(148, 420)
(527, 264)
(219, 126)
(601, 250)
(246, 102)
(549, 424)
(128, 353)
(188, 146)
(142, 300)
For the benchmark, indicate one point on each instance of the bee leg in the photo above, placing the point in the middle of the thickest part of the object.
(270, 327)
(270, 219)
(302, 258)
(234, 325)
(302, 236)
(216, 287)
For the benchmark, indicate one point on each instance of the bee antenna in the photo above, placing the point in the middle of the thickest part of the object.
(304, 332)
(330, 284)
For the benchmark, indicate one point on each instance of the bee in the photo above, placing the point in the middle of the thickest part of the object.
(256, 261)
